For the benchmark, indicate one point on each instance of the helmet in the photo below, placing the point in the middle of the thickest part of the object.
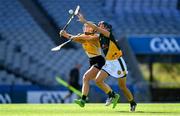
(106, 25)
(89, 31)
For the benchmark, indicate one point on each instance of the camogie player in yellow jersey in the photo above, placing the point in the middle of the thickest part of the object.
(115, 64)
(90, 43)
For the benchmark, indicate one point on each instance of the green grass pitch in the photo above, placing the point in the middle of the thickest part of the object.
(89, 110)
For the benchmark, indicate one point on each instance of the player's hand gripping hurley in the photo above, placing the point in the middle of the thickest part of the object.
(73, 13)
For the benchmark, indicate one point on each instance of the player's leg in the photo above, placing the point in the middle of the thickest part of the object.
(127, 93)
(123, 87)
(89, 75)
(101, 76)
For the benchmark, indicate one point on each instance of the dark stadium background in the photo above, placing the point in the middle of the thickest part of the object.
(148, 32)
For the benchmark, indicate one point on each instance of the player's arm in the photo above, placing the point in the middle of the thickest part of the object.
(84, 37)
(65, 34)
(95, 27)
(75, 38)
(80, 38)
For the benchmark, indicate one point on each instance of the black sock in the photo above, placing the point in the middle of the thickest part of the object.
(83, 97)
(111, 94)
(132, 102)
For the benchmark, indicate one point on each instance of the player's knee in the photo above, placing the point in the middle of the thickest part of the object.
(98, 81)
(86, 77)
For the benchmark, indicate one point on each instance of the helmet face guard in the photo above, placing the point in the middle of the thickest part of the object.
(90, 28)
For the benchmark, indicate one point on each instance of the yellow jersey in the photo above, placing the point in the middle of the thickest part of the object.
(110, 47)
(92, 48)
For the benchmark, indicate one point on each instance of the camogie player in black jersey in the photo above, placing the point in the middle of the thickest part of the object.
(115, 64)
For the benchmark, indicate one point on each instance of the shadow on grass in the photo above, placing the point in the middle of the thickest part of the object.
(144, 112)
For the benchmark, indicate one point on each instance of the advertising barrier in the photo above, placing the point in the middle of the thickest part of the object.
(167, 45)
(46, 96)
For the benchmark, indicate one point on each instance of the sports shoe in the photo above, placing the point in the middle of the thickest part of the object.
(113, 100)
(133, 107)
(109, 101)
(80, 102)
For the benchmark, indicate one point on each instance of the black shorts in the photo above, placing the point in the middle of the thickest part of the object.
(97, 62)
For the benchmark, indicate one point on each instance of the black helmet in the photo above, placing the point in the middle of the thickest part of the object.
(106, 25)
